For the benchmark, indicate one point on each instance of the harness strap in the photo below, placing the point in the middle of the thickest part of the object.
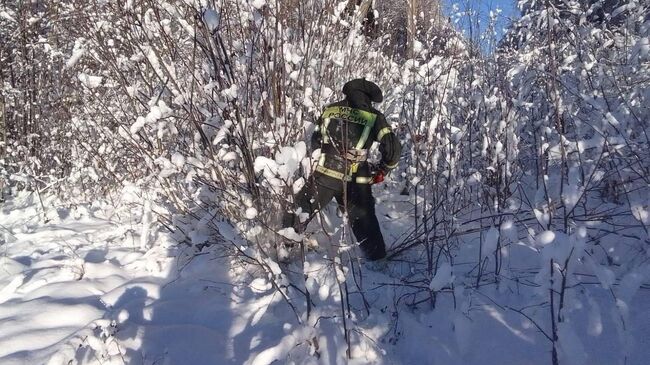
(384, 131)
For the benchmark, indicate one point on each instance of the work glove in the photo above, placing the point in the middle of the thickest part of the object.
(378, 174)
(378, 177)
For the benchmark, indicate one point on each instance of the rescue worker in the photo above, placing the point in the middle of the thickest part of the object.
(345, 132)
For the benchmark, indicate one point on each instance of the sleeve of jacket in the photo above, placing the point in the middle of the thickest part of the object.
(389, 145)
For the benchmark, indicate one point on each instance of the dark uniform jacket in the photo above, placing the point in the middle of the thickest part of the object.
(345, 132)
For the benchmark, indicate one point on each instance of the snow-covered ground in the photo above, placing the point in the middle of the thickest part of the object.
(80, 285)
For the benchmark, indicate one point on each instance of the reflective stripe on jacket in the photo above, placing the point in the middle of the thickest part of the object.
(345, 134)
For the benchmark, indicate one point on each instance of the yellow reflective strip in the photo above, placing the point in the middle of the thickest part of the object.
(321, 159)
(340, 176)
(384, 131)
(354, 167)
(365, 135)
(333, 173)
(393, 165)
(353, 115)
(350, 114)
(363, 180)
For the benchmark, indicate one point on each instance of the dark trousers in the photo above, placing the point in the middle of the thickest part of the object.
(360, 204)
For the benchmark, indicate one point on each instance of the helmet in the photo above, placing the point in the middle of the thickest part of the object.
(369, 88)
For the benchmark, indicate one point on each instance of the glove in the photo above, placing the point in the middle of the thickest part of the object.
(378, 176)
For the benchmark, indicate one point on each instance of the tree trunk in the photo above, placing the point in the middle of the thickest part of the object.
(411, 30)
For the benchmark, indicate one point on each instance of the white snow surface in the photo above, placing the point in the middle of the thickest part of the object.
(258, 4)
(89, 81)
(442, 278)
(211, 18)
(77, 52)
(78, 286)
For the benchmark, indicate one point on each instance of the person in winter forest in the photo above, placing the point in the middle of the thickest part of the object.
(345, 132)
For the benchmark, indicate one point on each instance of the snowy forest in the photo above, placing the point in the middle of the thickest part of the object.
(148, 149)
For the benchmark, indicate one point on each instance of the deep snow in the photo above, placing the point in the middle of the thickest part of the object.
(86, 288)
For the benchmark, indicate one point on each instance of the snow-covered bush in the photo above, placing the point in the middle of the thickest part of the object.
(541, 144)
(575, 83)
